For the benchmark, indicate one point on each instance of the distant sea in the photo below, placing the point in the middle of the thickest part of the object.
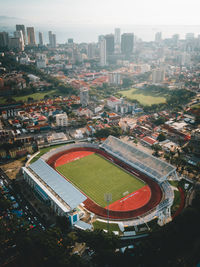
(89, 33)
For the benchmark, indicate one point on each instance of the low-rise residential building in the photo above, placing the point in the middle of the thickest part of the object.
(112, 102)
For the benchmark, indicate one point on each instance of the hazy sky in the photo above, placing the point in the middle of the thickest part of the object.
(115, 12)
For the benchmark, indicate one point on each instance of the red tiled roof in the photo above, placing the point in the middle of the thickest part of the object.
(149, 140)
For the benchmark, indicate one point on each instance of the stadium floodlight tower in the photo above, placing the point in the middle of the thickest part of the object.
(108, 198)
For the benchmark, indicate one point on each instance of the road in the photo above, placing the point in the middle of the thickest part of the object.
(28, 212)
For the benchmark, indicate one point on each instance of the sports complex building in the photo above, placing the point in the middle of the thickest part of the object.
(113, 179)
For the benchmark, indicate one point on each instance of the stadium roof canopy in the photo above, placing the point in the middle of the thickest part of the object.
(64, 189)
(144, 162)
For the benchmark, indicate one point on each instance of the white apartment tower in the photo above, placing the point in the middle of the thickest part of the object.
(117, 40)
(103, 52)
(114, 78)
(20, 27)
(61, 120)
(158, 76)
(19, 35)
(84, 96)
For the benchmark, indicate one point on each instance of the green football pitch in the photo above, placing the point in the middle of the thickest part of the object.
(96, 176)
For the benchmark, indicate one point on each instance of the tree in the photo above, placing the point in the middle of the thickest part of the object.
(4, 204)
(135, 141)
(156, 147)
(159, 121)
(126, 82)
(161, 137)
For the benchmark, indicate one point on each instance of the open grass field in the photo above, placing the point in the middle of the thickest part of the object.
(35, 96)
(96, 176)
(104, 226)
(145, 97)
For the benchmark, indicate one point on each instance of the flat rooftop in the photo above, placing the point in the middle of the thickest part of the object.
(59, 185)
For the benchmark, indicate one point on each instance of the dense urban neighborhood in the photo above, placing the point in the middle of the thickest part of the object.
(121, 101)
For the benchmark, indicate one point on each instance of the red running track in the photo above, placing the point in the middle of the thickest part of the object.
(156, 193)
(75, 155)
(132, 201)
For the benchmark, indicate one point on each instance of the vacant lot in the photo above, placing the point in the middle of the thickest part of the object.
(96, 176)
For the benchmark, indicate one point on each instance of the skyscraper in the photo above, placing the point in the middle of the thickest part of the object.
(91, 50)
(4, 39)
(127, 42)
(103, 52)
(52, 39)
(158, 37)
(41, 42)
(158, 75)
(70, 41)
(16, 43)
(22, 28)
(31, 35)
(19, 35)
(100, 37)
(117, 35)
(117, 40)
(175, 39)
(110, 44)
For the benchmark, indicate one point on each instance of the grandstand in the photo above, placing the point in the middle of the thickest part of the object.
(52, 186)
(144, 162)
(64, 197)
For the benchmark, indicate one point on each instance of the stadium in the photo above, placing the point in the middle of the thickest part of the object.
(113, 179)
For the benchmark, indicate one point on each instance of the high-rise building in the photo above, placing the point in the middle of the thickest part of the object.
(84, 96)
(16, 43)
(103, 57)
(41, 61)
(52, 39)
(189, 36)
(91, 50)
(19, 35)
(41, 42)
(117, 35)
(22, 28)
(117, 40)
(110, 44)
(4, 39)
(158, 37)
(175, 39)
(62, 120)
(114, 78)
(100, 38)
(158, 75)
(31, 36)
(70, 41)
(127, 42)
